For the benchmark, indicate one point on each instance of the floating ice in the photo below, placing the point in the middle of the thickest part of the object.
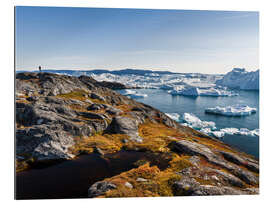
(241, 79)
(196, 123)
(209, 127)
(206, 91)
(234, 131)
(174, 116)
(165, 81)
(236, 110)
(133, 94)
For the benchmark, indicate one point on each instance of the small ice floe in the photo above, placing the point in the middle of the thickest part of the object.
(192, 121)
(236, 110)
(133, 94)
(196, 91)
(209, 127)
(174, 116)
(234, 131)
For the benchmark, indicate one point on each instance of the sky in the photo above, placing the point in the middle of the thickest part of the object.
(113, 39)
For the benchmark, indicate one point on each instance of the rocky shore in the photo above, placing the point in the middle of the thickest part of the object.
(59, 117)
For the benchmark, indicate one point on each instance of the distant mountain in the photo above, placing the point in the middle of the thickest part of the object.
(100, 71)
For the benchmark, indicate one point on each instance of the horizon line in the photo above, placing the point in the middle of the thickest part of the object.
(109, 70)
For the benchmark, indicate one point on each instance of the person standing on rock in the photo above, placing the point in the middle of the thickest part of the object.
(39, 68)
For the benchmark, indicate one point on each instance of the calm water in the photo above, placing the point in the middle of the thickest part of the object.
(71, 179)
(167, 103)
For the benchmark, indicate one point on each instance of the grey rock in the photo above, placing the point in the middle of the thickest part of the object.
(99, 188)
(94, 107)
(32, 98)
(86, 130)
(240, 161)
(113, 111)
(191, 148)
(124, 125)
(227, 177)
(96, 96)
(214, 190)
(252, 190)
(44, 142)
(186, 186)
(189, 186)
(91, 115)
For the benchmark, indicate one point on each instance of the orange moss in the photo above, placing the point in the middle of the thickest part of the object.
(158, 183)
(107, 143)
(21, 166)
(78, 94)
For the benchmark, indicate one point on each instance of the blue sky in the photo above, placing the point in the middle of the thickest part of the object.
(103, 38)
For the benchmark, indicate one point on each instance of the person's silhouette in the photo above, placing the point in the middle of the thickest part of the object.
(39, 68)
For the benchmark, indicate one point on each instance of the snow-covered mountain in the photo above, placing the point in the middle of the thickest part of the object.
(239, 78)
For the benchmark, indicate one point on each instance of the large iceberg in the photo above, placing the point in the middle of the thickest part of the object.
(236, 110)
(241, 79)
(196, 91)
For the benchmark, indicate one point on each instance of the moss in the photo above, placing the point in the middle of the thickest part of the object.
(165, 182)
(204, 182)
(23, 101)
(107, 143)
(156, 137)
(21, 166)
(179, 163)
(158, 183)
(124, 107)
(78, 94)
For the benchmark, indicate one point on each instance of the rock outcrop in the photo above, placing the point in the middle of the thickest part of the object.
(53, 111)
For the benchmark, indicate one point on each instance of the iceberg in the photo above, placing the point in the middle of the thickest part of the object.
(196, 91)
(133, 94)
(194, 122)
(239, 78)
(209, 127)
(236, 110)
(174, 116)
(234, 131)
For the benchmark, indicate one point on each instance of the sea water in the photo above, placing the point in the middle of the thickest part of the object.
(167, 103)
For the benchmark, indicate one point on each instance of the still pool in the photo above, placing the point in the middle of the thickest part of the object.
(72, 178)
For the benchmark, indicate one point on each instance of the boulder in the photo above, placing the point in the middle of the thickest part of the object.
(124, 125)
(99, 188)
